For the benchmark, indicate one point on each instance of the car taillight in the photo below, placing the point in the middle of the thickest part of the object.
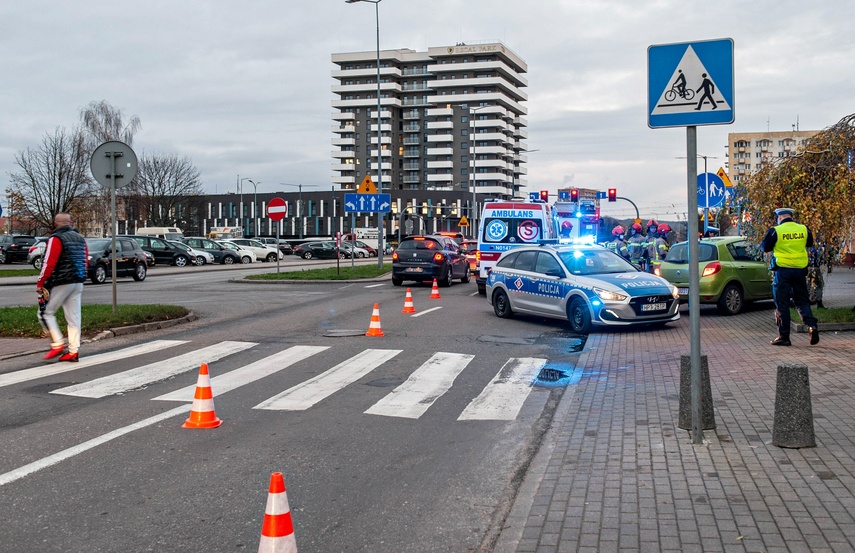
(32, 248)
(478, 256)
(711, 269)
(394, 256)
(656, 271)
(437, 257)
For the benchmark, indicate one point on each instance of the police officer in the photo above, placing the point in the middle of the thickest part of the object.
(788, 241)
(63, 274)
(637, 243)
(650, 244)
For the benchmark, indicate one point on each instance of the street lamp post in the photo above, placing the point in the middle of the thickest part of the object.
(473, 227)
(253, 212)
(240, 186)
(299, 202)
(381, 234)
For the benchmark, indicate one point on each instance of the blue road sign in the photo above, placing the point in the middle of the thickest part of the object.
(563, 195)
(1, 210)
(367, 203)
(533, 196)
(711, 190)
(601, 195)
(690, 83)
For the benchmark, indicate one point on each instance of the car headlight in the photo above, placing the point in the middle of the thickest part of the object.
(675, 292)
(609, 296)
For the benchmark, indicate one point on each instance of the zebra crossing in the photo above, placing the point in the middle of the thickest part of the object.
(500, 400)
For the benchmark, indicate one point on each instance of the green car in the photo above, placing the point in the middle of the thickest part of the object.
(731, 270)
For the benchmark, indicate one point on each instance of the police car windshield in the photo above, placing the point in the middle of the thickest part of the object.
(594, 262)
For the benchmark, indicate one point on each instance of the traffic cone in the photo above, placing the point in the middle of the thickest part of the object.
(277, 531)
(434, 292)
(374, 328)
(202, 413)
(408, 303)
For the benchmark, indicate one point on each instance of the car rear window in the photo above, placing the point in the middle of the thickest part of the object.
(425, 244)
(679, 253)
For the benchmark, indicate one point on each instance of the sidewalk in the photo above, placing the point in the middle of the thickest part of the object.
(615, 473)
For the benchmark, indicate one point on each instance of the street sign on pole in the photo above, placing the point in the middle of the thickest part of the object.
(710, 190)
(690, 83)
(367, 203)
(277, 209)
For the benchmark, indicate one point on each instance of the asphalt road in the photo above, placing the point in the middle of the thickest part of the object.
(379, 440)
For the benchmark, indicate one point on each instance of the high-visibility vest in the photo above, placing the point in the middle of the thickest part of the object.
(791, 247)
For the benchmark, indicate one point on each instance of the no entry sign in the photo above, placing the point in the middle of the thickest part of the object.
(277, 209)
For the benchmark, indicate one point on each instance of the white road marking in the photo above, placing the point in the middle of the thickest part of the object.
(304, 395)
(427, 384)
(85, 361)
(475, 293)
(504, 396)
(154, 372)
(375, 285)
(426, 311)
(250, 373)
(51, 460)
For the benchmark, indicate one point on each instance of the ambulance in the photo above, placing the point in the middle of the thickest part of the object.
(509, 224)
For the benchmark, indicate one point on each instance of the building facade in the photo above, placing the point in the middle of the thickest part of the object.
(747, 152)
(451, 119)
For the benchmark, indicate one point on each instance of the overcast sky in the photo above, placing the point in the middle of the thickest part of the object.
(244, 88)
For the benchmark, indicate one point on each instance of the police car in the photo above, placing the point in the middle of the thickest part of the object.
(585, 285)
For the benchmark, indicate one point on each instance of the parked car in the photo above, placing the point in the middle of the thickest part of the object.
(318, 250)
(262, 251)
(36, 253)
(424, 258)
(220, 253)
(247, 256)
(372, 252)
(284, 246)
(164, 252)
(198, 257)
(731, 272)
(350, 250)
(584, 285)
(470, 248)
(15, 247)
(130, 259)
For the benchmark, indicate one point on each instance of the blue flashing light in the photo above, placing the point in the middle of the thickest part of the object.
(596, 302)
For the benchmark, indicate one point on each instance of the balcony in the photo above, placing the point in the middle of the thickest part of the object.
(440, 151)
(440, 138)
(342, 153)
(440, 112)
(440, 164)
(338, 141)
(433, 125)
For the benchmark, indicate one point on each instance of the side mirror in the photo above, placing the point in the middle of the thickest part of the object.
(558, 273)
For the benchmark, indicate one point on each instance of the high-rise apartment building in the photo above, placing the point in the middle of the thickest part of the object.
(450, 117)
(748, 151)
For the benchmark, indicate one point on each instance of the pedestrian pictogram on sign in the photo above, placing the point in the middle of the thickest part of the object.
(464, 222)
(367, 186)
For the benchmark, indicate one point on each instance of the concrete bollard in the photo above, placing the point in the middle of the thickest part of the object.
(793, 415)
(707, 413)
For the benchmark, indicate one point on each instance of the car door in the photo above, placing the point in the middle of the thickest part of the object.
(125, 256)
(161, 251)
(548, 287)
(522, 284)
(753, 273)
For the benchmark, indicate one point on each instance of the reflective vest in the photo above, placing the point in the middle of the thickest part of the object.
(791, 247)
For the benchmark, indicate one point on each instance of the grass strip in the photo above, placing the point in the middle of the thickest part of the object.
(331, 273)
(22, 322)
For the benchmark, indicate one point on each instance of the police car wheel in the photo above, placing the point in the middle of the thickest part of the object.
(579, 316)
(502, 305)
(731, 301)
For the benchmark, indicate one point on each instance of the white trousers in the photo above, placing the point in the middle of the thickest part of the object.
(68, 297)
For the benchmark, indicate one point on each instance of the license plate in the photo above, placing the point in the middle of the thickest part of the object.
(683, 291)
(414, 269)
(653, 306)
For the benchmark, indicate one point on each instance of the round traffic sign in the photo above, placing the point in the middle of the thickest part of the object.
(277, 209)
(711, 190)
(113, 163)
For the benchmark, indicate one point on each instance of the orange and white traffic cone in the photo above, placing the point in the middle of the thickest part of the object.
(374, 328)
(434, 292)
(408, 303)
(202, 413)
(277, 531)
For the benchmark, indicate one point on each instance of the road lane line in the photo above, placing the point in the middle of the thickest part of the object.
(420, 313)
(304, 395)
(85, 361)
(51, 460)
(504, 396)
(153, 372)
(250, 373)
(427, 384)
(374, 285)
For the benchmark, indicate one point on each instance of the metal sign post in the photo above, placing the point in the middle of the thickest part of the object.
(110, 172)
(277, 209)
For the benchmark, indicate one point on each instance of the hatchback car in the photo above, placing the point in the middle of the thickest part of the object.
(15, 247)
(263, 252)
(584, 285)
(247, 255)
(220, 253)
(284, 246)
(424, 258)
(130, 259)
(197, 257)
(470, 248)
(731, 272)
(318, 250)
(36, 253)
(164, 252)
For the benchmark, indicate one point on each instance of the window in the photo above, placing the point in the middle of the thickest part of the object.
(464, 159)
(464, 132)
(546, 263)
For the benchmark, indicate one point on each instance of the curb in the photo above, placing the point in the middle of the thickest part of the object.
(118, 331)
(244, 280)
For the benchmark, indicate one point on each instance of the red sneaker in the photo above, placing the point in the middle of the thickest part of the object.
(72, 357)
(54, 352)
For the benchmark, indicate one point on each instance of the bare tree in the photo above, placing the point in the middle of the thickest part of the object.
(103, 123)
(54, 176)
(165, 189)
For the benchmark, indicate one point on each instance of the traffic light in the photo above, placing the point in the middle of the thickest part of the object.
(544, 196)
(612, 194)
(574, 195)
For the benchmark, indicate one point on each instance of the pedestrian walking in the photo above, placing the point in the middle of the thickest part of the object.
(63, 272)
(788, 242)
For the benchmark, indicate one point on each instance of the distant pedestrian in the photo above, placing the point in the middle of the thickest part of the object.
(63, 272)
(788, 241)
